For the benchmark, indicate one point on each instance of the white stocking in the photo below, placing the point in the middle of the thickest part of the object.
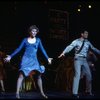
(39, 82)
(19, 83)
(2, 85)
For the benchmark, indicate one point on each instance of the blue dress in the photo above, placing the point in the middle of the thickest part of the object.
(29, 60)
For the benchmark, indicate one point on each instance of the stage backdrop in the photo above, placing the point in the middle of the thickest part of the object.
(58, 22)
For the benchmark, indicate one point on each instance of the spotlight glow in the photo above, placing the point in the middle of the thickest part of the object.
(89, 6)
(78, 10)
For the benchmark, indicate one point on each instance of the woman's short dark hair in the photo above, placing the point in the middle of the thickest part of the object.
(33, 27)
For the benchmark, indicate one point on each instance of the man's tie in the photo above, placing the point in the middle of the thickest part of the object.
(81, 47)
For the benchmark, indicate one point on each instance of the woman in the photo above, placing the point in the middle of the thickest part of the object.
(29, 60)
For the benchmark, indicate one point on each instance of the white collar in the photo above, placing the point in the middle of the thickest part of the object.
(31, 40)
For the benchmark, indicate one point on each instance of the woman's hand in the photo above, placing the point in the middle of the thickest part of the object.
(50, 60)
(7, 59)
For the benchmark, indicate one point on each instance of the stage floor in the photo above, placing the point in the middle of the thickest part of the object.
(50, 94)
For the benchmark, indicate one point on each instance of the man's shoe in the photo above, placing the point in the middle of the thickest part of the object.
(89, 94)
(75, 96)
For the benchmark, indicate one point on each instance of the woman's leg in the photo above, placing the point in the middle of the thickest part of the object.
(39, 82)
(19, 83)
(2, 85)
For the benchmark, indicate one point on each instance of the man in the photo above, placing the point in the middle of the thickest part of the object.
(81, 46)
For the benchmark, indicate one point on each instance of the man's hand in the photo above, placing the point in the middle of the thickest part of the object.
(61, 55)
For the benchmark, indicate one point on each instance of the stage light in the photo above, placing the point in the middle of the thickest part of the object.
(89, 6)
(78, 10)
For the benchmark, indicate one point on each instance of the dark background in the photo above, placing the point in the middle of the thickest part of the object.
(17, 16)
